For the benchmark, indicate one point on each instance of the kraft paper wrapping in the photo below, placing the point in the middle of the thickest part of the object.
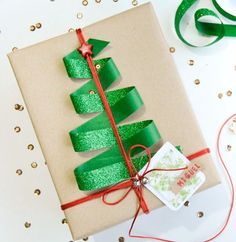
(138, 48)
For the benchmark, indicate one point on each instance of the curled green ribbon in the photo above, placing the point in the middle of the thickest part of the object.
(219, 30)
(107, 168)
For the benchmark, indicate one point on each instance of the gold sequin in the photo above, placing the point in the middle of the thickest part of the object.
(220, 95)
(186, 204)
(37, 192)
(229, 93)
(85, 2)
(79, 15)
(229, 147)
(34, 165)
(71, 30)
(197, 81)
(27, 225)
(172, 49)
(121, 239)
(134, 2)
(97, 1)
(17, 129)
(85, 239)
(32, 28)
(98, 66)
(191, 62)
(30, 147)
(19, 107)
(14, 49)
(91, 92)
(19, 172)
(200, 214)
(64, 221)
(38, 25)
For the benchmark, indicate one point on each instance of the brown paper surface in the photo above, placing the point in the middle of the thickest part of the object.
(138, 48)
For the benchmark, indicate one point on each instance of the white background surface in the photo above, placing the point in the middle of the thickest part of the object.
(214, 66)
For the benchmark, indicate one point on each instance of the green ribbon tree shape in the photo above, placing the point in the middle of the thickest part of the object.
(108, 168)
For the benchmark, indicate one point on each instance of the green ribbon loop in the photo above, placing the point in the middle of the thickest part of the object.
(219, 30)
(107, 168)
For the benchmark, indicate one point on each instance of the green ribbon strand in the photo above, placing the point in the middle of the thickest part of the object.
(219, 30)
(107, 168)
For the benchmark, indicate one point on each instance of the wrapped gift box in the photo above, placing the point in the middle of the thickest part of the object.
(139, 50)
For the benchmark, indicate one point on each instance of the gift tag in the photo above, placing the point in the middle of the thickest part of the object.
(173, 188)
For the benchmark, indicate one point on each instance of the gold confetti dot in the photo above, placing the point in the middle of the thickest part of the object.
(17, 129)
(85, 239)
(98, 66)
(38, 25)
(229, 147)
(34, 165)
(79, 15)
(85, 2)
(197, 81)
(14, 49)
(71, 30)
(200, 214)
(97, 1)
(91, 92)
(220, 95)
(27, 225)
(19, 107)
(30, 147)
(19, 172)
(37, 192)
(64, 221)
(32, 28)
(121, 239)
(186, 204)
(134, 2)
(229, 93)
(172, 49)
(191, 62)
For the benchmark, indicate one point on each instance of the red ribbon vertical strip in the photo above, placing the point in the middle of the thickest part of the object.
(86, 52)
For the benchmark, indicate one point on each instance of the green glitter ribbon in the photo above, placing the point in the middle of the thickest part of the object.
(107, 168)
(219, 30)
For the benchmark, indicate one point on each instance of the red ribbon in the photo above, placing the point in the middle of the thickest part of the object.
(134, 183)
(136, 180)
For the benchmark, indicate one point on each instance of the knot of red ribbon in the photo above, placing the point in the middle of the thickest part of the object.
(136, 181)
